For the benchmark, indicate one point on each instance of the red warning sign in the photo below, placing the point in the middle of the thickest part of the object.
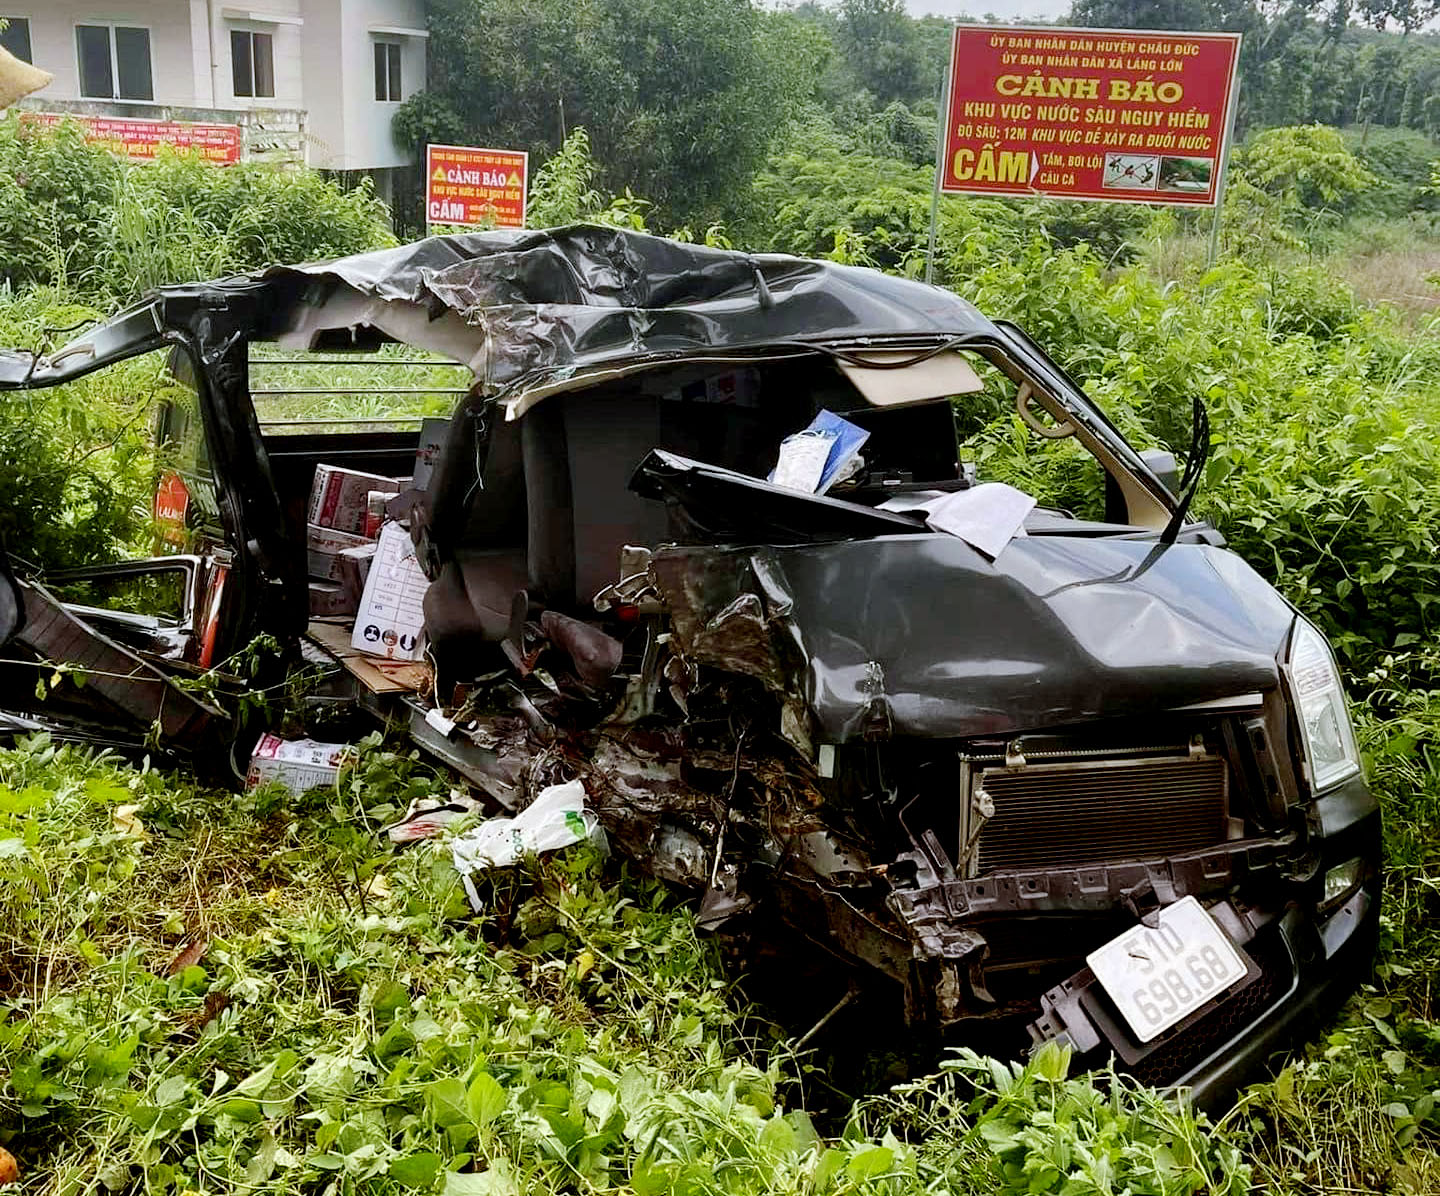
(1111, 114)
(142, 139)
(478, 187)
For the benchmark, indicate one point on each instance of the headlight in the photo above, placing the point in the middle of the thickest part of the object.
(1341, 881)
(1319, 697)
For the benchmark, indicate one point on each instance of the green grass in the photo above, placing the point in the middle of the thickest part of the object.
(347, 1024)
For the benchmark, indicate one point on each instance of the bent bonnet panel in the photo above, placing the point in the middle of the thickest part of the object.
(922, 636)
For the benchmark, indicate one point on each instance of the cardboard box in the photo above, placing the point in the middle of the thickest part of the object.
(298, 764)
(375, 511)
(323, 547)
(391, 618)
(433, 432)
(338, 497)
(355, 570)
(329, 599)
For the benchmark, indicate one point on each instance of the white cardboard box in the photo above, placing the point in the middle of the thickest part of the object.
(298, 764)
(338, 497)
(329, 600)
(323, 546)
(391, 619)
(433, 432)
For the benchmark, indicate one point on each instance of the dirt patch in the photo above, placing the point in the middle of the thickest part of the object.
(1401, 277)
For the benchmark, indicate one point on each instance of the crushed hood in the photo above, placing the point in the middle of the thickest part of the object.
(922, 636)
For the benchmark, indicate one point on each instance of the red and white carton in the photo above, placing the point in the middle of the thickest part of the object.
(323, 546)
(375, 511)
(339, 497)
(298, 764)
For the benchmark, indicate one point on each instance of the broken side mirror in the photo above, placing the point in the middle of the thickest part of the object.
(1163, 465)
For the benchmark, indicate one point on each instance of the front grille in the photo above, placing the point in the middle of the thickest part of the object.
(1187, 1048)
(1061, 815)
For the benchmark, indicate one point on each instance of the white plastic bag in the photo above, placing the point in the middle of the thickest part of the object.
(555, 819)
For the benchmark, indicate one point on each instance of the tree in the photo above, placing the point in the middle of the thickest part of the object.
(879, 42)
(681, 98)
(1307, 166)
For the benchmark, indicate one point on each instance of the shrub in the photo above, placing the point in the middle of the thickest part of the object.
(74, 215)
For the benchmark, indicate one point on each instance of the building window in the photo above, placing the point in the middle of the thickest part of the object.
(114, 62)
(387, 71)
(252, 62)
(15, 37)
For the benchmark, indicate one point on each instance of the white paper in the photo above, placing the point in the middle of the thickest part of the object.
(987, 516)
(802, 461)
(391, 619)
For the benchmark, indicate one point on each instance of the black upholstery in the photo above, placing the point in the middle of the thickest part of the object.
(551, 530)
(609, 437)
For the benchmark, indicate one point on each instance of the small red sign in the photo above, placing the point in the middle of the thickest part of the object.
(172, 502)
(485, 187)
(142, 139)
(1104, 114)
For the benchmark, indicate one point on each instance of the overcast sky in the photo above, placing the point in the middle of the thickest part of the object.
(1010, 10)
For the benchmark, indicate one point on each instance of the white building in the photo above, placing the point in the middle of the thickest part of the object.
(337, 68)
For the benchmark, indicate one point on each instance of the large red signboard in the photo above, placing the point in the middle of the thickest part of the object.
(483, 187)
(143, 138)
(1138, 117)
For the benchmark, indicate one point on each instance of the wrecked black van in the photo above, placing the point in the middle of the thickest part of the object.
(1028, 773)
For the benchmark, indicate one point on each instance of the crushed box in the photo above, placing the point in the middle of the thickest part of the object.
(330, 599)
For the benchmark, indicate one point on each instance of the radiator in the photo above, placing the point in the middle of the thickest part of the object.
(1044, 814)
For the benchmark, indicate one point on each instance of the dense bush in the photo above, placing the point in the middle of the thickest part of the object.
(1325, 420)
(74, 215)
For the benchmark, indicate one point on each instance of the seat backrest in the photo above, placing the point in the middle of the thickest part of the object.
(607, 438)
(549, 501)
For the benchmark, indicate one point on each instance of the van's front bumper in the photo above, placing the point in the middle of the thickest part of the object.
(1310, 955)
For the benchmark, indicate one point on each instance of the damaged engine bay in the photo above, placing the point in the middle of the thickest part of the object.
(698, 534)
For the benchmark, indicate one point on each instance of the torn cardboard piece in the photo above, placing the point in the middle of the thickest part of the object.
(375, 674)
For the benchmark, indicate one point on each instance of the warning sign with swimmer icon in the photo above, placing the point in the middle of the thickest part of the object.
(391, 619)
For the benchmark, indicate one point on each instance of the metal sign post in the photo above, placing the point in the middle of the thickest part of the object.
(940, 125)
(1214, 251)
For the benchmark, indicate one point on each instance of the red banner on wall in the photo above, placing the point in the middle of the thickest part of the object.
(485, 187)
(1105, 114)
(142, 139)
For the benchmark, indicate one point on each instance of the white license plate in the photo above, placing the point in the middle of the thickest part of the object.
(1156, 977)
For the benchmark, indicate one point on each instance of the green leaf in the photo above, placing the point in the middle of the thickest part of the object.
(416, 1170)
(869, 1163)
(778, 1137)
(172, 1090)
(485, 1100)
(448, 1102)
(827, 1167)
